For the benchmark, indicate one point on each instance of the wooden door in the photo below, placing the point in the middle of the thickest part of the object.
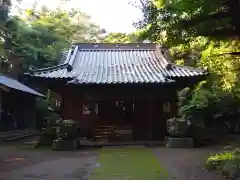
(140, 129)
(158, 121)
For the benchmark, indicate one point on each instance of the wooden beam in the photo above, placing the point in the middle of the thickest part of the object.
(150, 111)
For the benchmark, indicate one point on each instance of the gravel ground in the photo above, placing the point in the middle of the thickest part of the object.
(186, 164)
(18, 164)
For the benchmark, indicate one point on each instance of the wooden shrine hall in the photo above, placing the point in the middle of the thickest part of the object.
(129, 89)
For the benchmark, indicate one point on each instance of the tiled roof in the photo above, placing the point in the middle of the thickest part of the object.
(116, 63)
(63, 57)
(14, 84)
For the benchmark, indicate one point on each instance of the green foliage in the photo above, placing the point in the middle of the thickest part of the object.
(42, 106)
(37, 38)
(68, 129)
(120, 38)
(199, 38)
(47, 136)
(160, 3)
(198, 133)
(179, 127)
(183, 19)
(226, 163)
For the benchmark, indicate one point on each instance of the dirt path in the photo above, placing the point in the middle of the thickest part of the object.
(185, 164)
(45, 165)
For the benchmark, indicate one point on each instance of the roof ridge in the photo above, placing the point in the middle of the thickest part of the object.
(72, 57)
(65, 65)
(116, 46)
(170, 64)
(79, 43)
(160, 52)
(69, 52)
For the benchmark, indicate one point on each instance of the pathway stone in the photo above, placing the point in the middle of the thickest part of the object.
(59, 166)
(64, 168)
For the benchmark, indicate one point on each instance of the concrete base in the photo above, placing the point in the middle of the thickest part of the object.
(179, 142)
(60, 144)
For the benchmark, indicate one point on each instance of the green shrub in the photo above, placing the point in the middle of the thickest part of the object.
(196, 132)
(47, 136)
(67, 129)
(226, 163)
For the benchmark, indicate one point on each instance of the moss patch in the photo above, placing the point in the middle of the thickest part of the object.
(127, 163)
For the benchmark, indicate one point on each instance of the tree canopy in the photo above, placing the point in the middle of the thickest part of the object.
(120, 38)
(202, 34)
(37, 37)
(189, 18)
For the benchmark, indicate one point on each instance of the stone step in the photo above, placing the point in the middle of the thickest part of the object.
(101, 137)
(9, 134)
(19, 137)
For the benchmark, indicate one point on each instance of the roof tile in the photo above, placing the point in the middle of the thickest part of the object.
(117, 63)
(14, 84)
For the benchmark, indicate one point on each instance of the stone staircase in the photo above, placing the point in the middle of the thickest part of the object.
(17, 135)
(113, 133)
(104, 133)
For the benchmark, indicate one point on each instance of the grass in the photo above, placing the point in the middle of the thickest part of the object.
(127, 163)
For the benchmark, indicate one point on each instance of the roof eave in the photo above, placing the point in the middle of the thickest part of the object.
(198, 76)
(67, 63)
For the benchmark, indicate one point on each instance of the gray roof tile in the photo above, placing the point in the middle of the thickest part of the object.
(116, 63)
(14, 84)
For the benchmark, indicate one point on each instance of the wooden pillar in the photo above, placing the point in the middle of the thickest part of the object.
(34, 120)
(174, 105)
(0, 104)
(149, 107)
(62, 106)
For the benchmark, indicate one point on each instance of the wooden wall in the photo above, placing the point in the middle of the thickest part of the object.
(149, 120)
(19, 107)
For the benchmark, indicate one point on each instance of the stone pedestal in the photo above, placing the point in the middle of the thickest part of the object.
(60, 144)
(174, 142)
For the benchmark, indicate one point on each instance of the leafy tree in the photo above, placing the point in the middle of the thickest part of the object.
(36, 38)
(201, 34)
(120, 38)
(217, 18)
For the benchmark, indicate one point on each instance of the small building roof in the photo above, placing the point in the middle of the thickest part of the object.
(105, 63)
(14, 84)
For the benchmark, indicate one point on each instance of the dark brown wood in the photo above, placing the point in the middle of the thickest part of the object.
(146, 118)
(17, 110)
(149, 109)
